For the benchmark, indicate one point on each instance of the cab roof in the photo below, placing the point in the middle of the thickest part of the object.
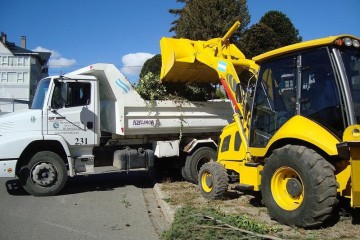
(301, 46)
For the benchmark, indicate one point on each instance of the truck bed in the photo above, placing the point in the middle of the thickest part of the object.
(173, 117)
(124, 112)
(136, 116)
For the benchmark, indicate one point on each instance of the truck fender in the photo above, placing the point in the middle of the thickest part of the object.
(65, 146)
(192, 146)
(198, 152)
(11, 147)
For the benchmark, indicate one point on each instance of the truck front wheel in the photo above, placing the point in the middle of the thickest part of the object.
(44, 175)
(298, 186)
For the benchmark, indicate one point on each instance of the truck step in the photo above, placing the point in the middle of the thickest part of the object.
(84, 164)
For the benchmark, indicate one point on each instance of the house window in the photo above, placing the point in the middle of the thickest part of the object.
(20, 77)
(12, 61)
(3, 77)
(26, 77)
(20, 61)
(26, 61)
(4, 61)
(12, 77)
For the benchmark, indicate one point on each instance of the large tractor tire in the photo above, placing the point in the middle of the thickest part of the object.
(194, 162)
(213, 180)
(298, 186)
(45, 174)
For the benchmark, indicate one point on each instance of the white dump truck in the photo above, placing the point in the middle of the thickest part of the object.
(92, 119)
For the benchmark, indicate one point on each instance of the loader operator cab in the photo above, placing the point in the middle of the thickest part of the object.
(321, 84)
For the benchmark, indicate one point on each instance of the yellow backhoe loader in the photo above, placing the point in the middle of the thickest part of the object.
(296, 133)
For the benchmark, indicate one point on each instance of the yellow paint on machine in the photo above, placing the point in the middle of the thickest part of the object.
(352, 138)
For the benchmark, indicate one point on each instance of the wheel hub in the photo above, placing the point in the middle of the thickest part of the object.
(206, 182)
(294, 187)
(209, 181)
(43, 174)
(287, 188)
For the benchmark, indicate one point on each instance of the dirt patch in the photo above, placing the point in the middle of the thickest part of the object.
(178, 194)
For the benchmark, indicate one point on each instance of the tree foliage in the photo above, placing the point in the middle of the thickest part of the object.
(206, 19)
(282, 26)
(258, 39)
(151, 88)
(151, 65)
(274, 30)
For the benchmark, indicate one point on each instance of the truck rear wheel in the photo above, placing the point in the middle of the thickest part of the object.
(194, 162)
(183, 174)
(298, 186)
(213, 180)
(45, 174)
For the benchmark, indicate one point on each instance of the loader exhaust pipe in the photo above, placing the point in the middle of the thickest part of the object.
(230, 32)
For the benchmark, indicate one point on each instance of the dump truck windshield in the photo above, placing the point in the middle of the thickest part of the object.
(351, 59)
(40, 94)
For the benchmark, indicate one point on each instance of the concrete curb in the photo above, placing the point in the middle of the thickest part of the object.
(167, 210)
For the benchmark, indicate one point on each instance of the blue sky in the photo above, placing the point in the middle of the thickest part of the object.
(125, 33)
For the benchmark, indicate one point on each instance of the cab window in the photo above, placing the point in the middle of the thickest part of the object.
(275, 99)
(78, 95)
(319, 92)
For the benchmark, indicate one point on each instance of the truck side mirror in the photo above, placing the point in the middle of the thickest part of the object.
(238, 93)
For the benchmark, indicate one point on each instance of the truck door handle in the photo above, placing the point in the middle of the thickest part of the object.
(89, 125)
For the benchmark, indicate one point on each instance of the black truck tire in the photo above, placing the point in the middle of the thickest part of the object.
(44, 175)
(213, 180)
(298, 186)
(184, 175)
(194, 162)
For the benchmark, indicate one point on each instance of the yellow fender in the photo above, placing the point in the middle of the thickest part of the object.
(302, 128)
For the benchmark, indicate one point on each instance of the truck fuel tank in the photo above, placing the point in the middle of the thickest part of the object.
(128, 158)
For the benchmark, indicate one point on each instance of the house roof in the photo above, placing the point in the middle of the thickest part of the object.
(43, 57)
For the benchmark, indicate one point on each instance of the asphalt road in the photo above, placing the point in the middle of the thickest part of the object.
(104, 206)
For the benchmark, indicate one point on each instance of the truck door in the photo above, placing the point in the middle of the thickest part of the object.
(73, 116)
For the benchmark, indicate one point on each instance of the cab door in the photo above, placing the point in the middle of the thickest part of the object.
(73, 116)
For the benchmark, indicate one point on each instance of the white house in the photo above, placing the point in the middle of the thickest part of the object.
(20, 71)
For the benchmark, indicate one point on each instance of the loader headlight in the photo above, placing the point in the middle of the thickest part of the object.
(356, 43)
(348, 42)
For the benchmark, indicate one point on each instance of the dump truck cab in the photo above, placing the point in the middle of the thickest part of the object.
(296, 131)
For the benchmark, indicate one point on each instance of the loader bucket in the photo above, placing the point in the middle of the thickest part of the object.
(184, 60)
(179, 63)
